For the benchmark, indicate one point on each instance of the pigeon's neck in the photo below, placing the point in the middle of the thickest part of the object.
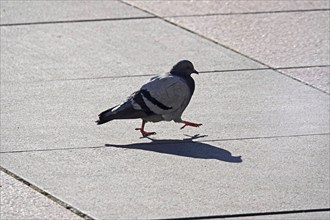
(191, 83)
(189, 80)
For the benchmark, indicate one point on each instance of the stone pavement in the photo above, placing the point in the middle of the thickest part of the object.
(262, 96)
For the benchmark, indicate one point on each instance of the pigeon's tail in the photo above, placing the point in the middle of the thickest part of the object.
(106, 116)
(122, 111)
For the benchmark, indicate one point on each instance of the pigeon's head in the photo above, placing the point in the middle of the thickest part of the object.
(183, 68)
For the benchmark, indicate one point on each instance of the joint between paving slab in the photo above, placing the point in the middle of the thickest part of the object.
(48, 195)
(286, 212)
(140, 75)
(144, 75)
(265, 68)
(248, 13)
(160, 142)
(77, 21)
(220, 44)
(266, 137)
(201, 72)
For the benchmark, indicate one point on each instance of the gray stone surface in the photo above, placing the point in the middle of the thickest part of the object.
(299, 216)
(264, 143)
(103, 49)
(278, 40)
(177, 179)
(184, 8)
(318, 77)
(61, 114)
(20, 11)
(19, 201)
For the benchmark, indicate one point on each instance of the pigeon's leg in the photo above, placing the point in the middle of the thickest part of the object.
(192, 124)
(143, 132)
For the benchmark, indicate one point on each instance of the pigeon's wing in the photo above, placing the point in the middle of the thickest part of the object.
(166, 95)
(124, 110)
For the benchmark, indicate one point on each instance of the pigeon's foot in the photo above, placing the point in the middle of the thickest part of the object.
(145, 133)
(192, 124)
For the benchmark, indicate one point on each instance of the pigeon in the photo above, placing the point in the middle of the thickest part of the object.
(163, 98)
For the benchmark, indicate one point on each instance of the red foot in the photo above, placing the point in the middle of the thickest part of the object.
(187, 123)
(145, 133)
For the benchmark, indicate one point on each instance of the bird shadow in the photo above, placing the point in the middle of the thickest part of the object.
(184, 148)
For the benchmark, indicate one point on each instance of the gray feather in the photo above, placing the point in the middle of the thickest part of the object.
(122, 111)
(164, 97)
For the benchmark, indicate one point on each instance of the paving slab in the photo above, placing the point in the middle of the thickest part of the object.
(59, 114)
(263, 146)
(277, 39)
(298, 216)
(19, 201)
(192, 8)
(20, 11)
(102, 49)
(171, 178)
(318, 77)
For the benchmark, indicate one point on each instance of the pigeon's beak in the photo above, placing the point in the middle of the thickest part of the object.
(195, 71)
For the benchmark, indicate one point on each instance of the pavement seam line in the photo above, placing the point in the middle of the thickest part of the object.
(143, 75)
(286, 212)
(301, 67)
(266, 137)
(248, 13)
(77, 21)
(48, 195)
(139, 75)
(149, 17)
(150, 75)
(168, 142)
(224, 46)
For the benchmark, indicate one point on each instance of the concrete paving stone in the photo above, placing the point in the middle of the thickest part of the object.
(277, 39)
(102, 49)
(48, 135)
(184, 8)
(21, 11)
(298, 216)
(318, 77)
(170, 178)
(61, 114)
(19, 201)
